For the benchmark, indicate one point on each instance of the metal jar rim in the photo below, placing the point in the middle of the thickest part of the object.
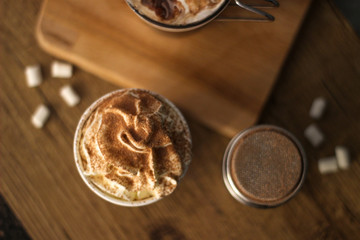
(229, 183)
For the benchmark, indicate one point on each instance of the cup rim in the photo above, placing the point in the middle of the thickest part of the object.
(236, 193)
(179, 28)
(104, 195)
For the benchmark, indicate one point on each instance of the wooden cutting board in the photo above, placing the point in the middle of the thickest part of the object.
(221, 74)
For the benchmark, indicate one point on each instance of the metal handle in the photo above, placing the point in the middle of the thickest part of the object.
(266, 17)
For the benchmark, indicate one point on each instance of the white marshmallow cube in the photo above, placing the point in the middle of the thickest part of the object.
(61, 69)
(314, 135)
(69, 95)
(318, 107)
(40, 116)
(328, 165)
(342, 157)
(33, 75)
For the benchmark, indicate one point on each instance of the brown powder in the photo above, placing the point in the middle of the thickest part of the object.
(266, 165)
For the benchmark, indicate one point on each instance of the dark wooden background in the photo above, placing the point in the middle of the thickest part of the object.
(41, 185)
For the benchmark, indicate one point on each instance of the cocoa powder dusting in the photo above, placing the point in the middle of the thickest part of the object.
(266, 165)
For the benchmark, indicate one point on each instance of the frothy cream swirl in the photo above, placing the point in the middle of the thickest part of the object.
(134, 145)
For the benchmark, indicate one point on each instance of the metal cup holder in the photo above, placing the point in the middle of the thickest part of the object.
(254, 8)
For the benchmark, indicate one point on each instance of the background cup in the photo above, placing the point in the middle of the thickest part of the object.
(264, 16)
(179, 28)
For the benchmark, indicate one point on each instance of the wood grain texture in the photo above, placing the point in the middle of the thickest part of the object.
(39, 180)
(230, 66)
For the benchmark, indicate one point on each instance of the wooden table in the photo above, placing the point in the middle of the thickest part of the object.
(41, 184)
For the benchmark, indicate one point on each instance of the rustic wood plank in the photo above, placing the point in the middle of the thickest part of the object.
(325, 62)
(41, 184)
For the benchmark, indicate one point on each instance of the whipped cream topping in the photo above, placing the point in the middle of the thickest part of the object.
(135, 145)
(176, 12)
